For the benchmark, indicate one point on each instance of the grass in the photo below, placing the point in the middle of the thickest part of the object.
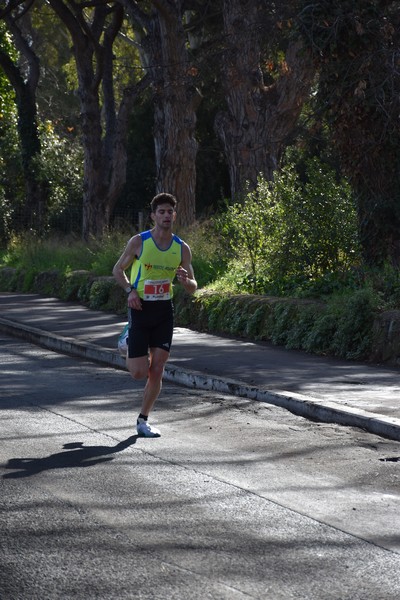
(340, 325)
(63, 254)
(214, 268)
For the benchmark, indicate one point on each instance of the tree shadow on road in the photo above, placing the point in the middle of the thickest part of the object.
(75, 454)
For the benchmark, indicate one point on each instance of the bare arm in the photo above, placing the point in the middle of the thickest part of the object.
(127, 258)
(185, 273)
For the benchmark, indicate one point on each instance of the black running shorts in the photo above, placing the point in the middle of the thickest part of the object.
(151, 327)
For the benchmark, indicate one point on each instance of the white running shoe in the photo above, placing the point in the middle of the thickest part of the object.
(144, 429)
(123, 341)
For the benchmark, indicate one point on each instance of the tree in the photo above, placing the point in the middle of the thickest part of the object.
(10, 167)
(357, 48)
(56, 99)
(173, 74)
(22, 70)
(260, 116)
(104, 124)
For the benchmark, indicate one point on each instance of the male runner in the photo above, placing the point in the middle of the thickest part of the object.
(155, 257)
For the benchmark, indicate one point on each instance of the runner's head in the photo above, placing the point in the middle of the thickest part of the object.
(163, 198)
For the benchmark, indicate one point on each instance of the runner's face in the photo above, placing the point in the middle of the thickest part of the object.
(164, 216)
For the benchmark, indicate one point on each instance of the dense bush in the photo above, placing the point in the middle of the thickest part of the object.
(287, 235)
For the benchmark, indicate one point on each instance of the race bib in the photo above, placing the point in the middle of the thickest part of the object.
(157, 290)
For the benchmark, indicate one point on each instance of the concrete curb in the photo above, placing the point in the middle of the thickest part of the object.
(304, 406)
(63, 344)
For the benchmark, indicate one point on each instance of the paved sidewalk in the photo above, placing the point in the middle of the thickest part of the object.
(324, 389)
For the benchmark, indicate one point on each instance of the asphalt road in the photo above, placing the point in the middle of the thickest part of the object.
(237, 499)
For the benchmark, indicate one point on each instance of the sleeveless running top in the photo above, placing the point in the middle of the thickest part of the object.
(153, 271)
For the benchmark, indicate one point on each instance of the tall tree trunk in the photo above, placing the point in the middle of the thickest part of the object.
(259, 119)
(104, 139)
(176, 100)
(94, 221)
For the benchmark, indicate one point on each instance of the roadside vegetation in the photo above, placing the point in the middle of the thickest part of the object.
(274, 125)
(284, 266)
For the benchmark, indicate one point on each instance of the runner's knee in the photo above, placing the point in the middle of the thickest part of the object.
(137, 370)
(156, 370)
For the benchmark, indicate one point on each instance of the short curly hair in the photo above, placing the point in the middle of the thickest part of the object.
(163, 198)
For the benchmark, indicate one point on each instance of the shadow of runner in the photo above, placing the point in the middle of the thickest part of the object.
(77, 455)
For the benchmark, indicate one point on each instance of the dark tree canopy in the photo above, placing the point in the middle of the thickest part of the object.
(357, 49)
(250, 69)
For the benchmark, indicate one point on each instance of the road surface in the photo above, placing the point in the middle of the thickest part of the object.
(237, 499)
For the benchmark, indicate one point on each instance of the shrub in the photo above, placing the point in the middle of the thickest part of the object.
(249, 230)
(9, 279)
(355, 317)
(255, 326)
(287, 235)
(99, 293)
(72, 284)
(48, 283)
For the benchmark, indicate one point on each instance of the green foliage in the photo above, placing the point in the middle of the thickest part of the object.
(385, 282)
(10, 279)
(256, 322)
(55, 96)
(11, 183)
(37, 255)
(100, 293)
(68, 254)
(209, 258)
(292, 323)
(249, 228)
(60, 164)
(65, 254)
(345, 328)
(289, 233)
(48, 283)
(327, 212)
(355, 46)
(342, 326)
(11, 180)
(73, 284)
(105, 252)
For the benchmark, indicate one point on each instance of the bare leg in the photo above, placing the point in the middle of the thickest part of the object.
(153, 369)
(158, 358)
(138, 367)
